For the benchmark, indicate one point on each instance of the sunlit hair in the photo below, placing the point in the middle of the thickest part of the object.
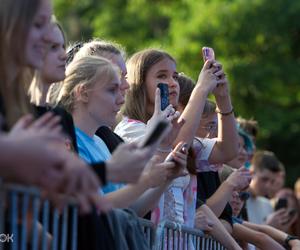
(266, 160)
(137, 68)
(85, 71)
(35, 88)
(16, 17)
(106, 49)
(186, 85)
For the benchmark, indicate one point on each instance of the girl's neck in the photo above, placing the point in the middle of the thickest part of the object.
(42, 94)
(84, 122)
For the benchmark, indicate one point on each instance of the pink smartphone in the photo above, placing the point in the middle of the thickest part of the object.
(208, 54)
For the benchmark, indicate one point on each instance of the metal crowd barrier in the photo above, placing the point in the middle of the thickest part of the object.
(26, 220)
(149, 231)
(173, 236)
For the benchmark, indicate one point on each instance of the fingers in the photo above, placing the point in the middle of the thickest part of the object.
(168, 113)
(181, 145)
(83, 203)
(217, 65)
(23, 122)
(208, 64)
(219, 74)
(101, 203)
(157, 105)
(43, 120)
(179, 158)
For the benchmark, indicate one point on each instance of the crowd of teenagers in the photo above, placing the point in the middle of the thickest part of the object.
(73, 122)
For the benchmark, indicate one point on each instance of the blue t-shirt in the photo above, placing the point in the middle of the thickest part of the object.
(92, 150)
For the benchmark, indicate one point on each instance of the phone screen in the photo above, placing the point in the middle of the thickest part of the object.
(208, 54)
(164, 95)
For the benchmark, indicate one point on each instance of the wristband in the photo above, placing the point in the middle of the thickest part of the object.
(288, 239)
(224, 113)
(100, 169)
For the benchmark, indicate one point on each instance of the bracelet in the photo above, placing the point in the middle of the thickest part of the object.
(163, 150)
(100, 169)
(225, 113)
(288, 239)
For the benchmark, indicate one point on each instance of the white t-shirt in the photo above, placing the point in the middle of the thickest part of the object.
(258, 209)
(131, 130)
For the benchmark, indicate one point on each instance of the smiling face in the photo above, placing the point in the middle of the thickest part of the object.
(164, 71)
(55, 60)
(38, 36)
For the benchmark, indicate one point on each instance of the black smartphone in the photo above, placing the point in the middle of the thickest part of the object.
(292, 212)
(281, 203)
(154, 134)
(164, 95)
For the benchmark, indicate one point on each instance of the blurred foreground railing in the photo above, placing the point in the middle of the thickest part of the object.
(29, 222)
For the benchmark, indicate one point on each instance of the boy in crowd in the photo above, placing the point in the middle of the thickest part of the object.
(265, 168)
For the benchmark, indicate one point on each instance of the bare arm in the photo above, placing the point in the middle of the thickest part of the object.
(226, 147)
(238, 180)
(276, 234)
(193, 110)
(260, 240)
(218, 231)
(149, 200)
(220, 198)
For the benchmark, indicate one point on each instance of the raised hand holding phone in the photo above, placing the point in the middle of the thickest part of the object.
(209, 54)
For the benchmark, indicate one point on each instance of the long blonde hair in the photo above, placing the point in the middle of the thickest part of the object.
(137, 68)
(84, 71)
(16, 17)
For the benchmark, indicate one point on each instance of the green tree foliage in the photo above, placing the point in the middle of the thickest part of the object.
(257, 41)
